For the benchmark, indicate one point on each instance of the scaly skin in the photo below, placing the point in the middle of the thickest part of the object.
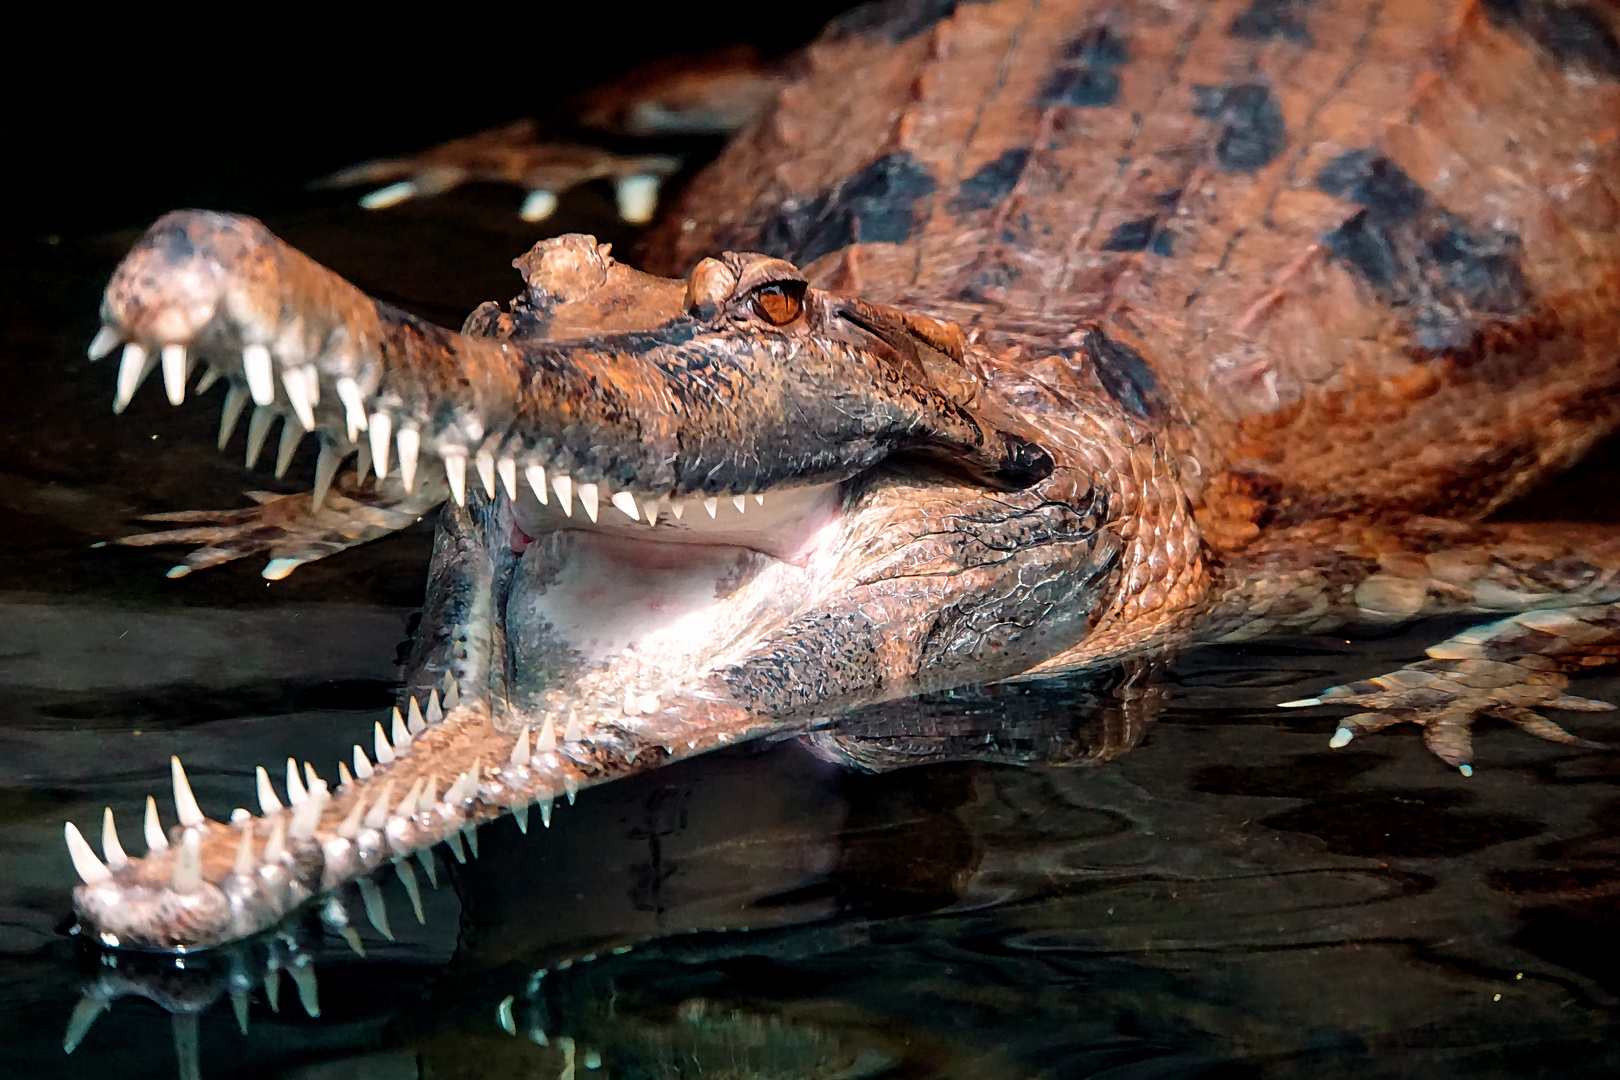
(1252, 296)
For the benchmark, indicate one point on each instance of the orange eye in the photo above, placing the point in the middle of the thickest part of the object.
(779, 303)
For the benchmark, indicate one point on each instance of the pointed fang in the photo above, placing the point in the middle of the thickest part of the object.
(174, 373)
(354, 408)
(268, 803)
(188, 863)
(382, 430)
(376, 911)
(153, 828)
(485, 464)
(407, 878)
(507, 467)
(91, 869)
(261, 378)
(185, 803)
(410, 444)
(110, 845)
(626, 504)
(236, 399)
(455, 471)
(588, 499)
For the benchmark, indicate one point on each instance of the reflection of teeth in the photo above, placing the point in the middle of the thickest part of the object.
(174, 373)
(563, 485)
(737, 501)
(210, 376)
(258, 431)
(382, 430)
(326, 467)
(626, 503)
(637, 197)
(760, 499)
(588, 499)
(292, 433)
(507, 468)
(649, 509)
(188, 864)
(678, 508)
(392, 195)
(712, 505)
(260, 377)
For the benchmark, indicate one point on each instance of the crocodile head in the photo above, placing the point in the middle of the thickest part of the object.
(710, 509)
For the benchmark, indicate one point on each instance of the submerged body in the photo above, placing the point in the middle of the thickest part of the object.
(1072, 334)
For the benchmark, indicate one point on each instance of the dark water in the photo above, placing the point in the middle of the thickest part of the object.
(1230, 900)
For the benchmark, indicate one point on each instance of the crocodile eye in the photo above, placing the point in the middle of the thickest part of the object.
(778, 303)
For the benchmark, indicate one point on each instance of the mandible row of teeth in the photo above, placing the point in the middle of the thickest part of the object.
(302, 386)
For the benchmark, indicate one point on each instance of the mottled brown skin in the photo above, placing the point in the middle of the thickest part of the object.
(1175, 323)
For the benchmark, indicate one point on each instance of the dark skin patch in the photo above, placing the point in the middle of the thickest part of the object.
(1254, 132)
(991, 183)
(1273, 20)
(1448, 278)
(1088, 73)
(1577, 36)
(1124, 374)
(876, 205)
(1143, 234)
(893, 21)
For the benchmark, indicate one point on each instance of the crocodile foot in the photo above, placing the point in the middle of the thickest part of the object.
(1506, 669)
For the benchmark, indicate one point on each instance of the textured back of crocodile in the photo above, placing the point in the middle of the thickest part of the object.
(1345, 255)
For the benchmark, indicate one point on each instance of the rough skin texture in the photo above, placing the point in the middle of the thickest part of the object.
(1072, 334)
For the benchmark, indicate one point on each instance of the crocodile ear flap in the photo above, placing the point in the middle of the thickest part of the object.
(988, 441)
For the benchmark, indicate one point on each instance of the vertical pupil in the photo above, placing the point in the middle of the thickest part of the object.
(776, 305)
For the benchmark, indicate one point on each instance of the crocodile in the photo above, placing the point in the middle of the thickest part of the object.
(1013, 341)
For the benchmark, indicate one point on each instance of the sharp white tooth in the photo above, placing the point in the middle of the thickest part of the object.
(400, 734)
(649, 704)
(268, 803)
(105, 341)
(292, 433)
(626, 503)
(678, 508)
(712, 505)
(410, 442)
(430, 796)
(587, 499)
(637, 197)
(84, 1016)
(649, 510)
(380, 749)
(507, 467)
(573, 731)
(236, 399)
(354, 407)
(185, 803)
(91, 870)
(538, 205)
(174, 372)
(362, 462)
(298, 396)
(570, 787)
(452, 697)
(414, 724)
(471, 833)
(485, 464)
(520, 749)
(563, 485)
(210, 376)
(407, 878)
(296, 793)
(275, 848)
(350, 825)
(345, 777)
(377, 816)
(455, 470)
(258, 431)
(132, 371)
(547, 742)
(239, 1005)
(188, 863)
(326, 467)
(312, 779)
(382, 429)
(153, 828)
(520, 814)
(740, 503)
(303, 977)
(392, 195)
(245, 862)
(110, 846)
(536, 476)
(407, 805)
(759, 499)
(261, 378)
(433, 713)
(453, 842)
(362, 764)
(545, 810)
(371, 897)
